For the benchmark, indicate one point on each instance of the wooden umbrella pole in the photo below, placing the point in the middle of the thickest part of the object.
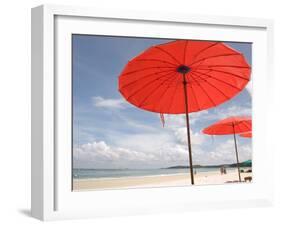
(236, 151)
(188, 129)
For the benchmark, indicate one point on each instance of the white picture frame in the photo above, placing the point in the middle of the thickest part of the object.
(52, 197)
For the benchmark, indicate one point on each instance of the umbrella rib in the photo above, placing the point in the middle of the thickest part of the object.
(214, 87)
(154, 90)
(212, 77)
(247, 125)
(238, 127)
(221, 55)
(201, 51)
(163, 94)
(143, 69)
(184, 52)
(147, 84)
(157, 60)
(222, 65)
(239, 122)
(169, 54)
(225, 72)
(148, 75)
(242, 122)
(203, 89)
(173, 95)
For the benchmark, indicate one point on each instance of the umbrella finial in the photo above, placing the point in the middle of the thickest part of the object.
(183, 69)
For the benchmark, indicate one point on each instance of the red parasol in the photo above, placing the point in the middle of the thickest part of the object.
(246, 135)
(184, 76)
(231, 125)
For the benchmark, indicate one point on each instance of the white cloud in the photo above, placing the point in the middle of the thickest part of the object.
(145, 142)
(195, 116)
(98, 154)
(101, 155)
(109, 103)
(135, 124)
(219, 114)
(174, 121)
(156, 147)
(234, 110)
(224, 153)
(146, 153)
(181, 136)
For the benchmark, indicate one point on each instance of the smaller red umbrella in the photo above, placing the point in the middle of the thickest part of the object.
(231, 125)
(246, 135)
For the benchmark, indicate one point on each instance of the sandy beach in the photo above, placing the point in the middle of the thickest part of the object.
(202, 178)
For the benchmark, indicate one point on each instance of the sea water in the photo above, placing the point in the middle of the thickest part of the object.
(118, 173)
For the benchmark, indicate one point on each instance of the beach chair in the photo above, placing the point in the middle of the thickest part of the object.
(249, 179)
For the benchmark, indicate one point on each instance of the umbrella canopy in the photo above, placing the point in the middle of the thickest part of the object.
(184, 76)
(213, 73)
(246, 135)
(231, 125)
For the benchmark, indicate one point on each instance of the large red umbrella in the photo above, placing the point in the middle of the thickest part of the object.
(246, 135)
(231, 125)
(184, 76)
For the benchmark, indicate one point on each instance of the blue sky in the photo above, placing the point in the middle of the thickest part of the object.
(108, 132)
